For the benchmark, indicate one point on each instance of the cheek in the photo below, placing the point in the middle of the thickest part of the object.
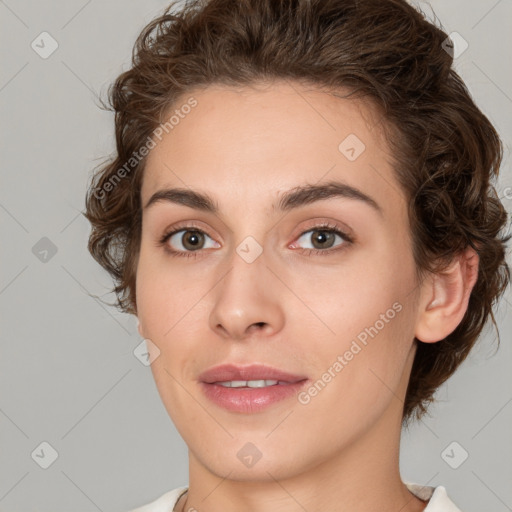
(348, 299)
(370, 315)
(167, 297)
(358, 373)
(171, 311)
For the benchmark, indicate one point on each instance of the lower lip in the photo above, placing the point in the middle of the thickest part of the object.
(249, 400)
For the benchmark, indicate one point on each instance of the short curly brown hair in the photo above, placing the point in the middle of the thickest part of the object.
(447, 153)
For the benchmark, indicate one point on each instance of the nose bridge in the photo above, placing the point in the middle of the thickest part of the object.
(245, 297)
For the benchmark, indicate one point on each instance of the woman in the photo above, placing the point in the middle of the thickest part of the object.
(301, 215)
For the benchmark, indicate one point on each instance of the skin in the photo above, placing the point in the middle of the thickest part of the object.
(245, 148)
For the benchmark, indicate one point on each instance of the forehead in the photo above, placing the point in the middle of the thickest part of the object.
(258, 141)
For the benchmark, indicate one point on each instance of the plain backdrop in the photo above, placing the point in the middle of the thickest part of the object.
(68, 374)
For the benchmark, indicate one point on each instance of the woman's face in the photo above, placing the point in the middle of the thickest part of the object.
(263, 281)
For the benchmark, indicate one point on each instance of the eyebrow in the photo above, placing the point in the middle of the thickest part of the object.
(291, 199)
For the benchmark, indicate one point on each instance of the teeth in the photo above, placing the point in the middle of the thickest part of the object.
(248, 383)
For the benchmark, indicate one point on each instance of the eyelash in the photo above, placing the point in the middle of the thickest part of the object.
(326, 226)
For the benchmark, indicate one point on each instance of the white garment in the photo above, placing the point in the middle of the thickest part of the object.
(438, 500)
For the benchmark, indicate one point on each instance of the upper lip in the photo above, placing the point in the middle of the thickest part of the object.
(228, 372)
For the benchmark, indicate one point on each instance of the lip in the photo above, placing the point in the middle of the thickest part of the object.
(249, 400)
(227, 372)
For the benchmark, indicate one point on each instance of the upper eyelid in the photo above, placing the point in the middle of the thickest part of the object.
(325, 225)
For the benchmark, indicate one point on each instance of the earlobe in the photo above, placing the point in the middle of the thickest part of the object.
(139, 327)
(445, 298)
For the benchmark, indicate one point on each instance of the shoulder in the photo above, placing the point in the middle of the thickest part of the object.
(437, 497)
(164, 503)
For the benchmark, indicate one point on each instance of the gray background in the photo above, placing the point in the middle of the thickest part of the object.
(68, 375)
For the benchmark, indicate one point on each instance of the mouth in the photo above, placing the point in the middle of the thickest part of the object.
(249, 389)
(250, 383)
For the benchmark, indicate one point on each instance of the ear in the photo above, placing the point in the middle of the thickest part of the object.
(139, 327)
(445, 296)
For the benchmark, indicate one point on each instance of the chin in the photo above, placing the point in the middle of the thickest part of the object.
(258, 461)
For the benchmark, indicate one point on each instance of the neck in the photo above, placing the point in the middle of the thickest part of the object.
(362, 477)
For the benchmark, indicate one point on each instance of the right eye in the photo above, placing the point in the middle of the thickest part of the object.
(185, 240)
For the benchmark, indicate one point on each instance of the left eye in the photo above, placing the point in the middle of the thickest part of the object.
(321, 238)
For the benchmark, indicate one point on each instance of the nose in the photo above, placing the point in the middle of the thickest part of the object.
(247, 301)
